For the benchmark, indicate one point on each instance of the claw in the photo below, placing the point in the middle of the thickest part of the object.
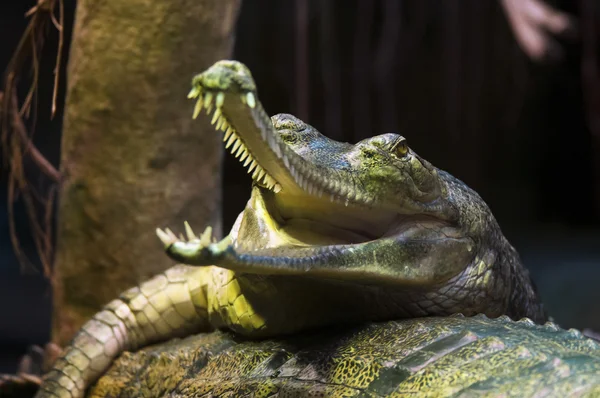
(189, 231)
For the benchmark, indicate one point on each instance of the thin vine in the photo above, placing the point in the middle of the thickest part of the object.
(17, 122)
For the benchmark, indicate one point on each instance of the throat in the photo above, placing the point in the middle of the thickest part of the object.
(313, 233)
(349, 222)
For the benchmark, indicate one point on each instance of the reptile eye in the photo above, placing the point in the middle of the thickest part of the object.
(400, 148)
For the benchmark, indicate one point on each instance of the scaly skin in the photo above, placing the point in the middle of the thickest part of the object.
(426, 357)
(333, 234)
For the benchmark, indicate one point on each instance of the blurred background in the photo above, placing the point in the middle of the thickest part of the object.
(505, 95)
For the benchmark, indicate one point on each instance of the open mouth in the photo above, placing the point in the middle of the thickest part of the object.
(307, 203)
(304, 209)
(369, 212)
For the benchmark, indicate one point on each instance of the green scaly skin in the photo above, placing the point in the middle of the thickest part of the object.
(425, 357)
(333, 234)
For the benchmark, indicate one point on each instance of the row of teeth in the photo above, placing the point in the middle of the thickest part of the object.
(239, 150)
(231, 139)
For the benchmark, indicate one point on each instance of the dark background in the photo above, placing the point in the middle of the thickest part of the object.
(449, 76)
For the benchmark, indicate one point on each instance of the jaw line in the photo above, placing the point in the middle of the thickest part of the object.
(251, 135)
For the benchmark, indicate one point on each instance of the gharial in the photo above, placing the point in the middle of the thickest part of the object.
(333, 234)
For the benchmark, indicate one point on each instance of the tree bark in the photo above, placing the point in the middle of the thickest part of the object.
(132, 157)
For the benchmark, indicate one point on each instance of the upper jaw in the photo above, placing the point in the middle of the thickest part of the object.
(227, 90)
(251, 136)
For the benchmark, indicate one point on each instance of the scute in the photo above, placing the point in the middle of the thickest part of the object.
(437, 357)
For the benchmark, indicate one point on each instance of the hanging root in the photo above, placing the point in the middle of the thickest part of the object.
(15, 135)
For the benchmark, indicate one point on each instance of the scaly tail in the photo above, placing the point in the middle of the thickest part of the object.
(170, 305)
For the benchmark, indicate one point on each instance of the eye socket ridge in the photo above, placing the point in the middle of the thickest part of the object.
(289, 136)
(399, 147)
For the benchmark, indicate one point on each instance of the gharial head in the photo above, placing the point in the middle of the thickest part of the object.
(312, 177)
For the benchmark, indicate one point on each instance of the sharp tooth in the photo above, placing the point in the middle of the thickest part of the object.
(228, 133)
(347, 200)
(189, 231)
(219, 122)
(197, 108)
(260, 174)
(269, 180)
(236, 146)
(247, 160)
(205, 237)
(164, 237)
(224, 124)
(252, 166)
(256, 171)
(251, 100)
(208, 99)
(244, 155)
(171, 234)
(277, 188)
(242, 150)
(194, 92)
(220, 99)
(216, 116)
(230, 141)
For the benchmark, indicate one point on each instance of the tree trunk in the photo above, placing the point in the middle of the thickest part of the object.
(132, 157)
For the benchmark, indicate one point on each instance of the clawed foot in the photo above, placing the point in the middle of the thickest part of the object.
(195, 250)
